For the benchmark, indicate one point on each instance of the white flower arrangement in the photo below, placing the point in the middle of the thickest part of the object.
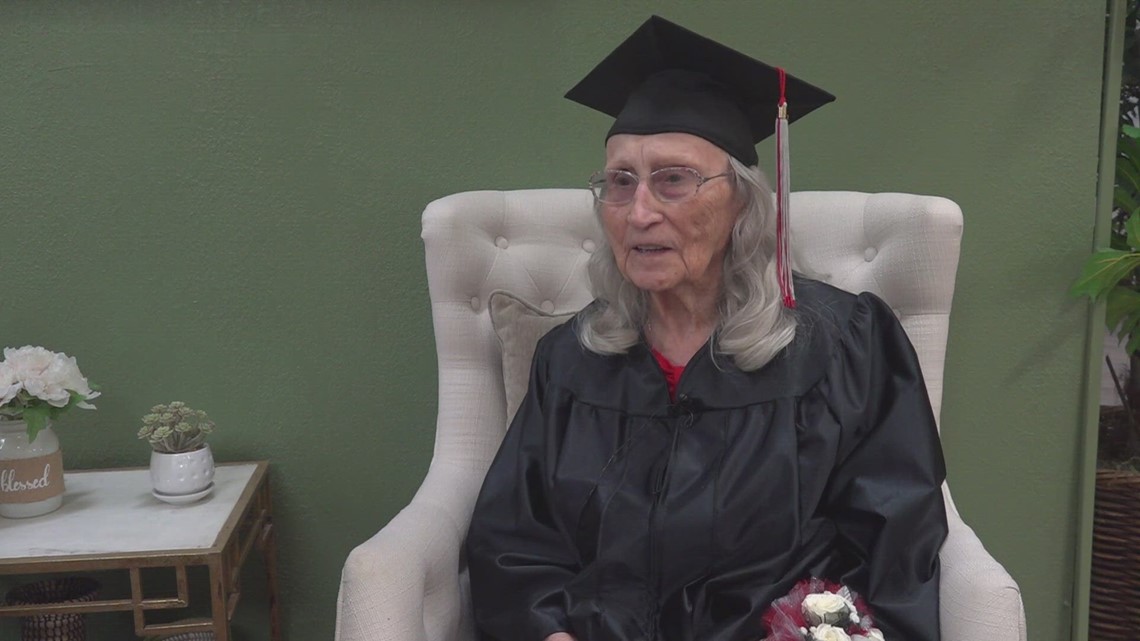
(830, 608)
(37, 384)
(825, 632)
(818, 610)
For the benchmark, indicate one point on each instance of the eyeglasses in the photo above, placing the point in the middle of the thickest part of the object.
(668, 184)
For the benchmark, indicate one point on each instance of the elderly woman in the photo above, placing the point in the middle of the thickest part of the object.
(691, 444)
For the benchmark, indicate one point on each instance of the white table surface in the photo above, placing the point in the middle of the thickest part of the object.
(114, 512)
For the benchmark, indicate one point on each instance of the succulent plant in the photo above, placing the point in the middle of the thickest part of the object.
(175, 428)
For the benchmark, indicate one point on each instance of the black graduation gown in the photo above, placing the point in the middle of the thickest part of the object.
(615, 514)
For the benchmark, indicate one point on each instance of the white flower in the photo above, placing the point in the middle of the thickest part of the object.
(824, 632)
(827, 607)
(872, 635)
(27, 361)
(47, 375)
(9, 386)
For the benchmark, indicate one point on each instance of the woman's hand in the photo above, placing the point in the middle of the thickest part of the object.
(560, 636)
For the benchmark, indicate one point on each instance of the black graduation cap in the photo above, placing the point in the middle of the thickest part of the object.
(665, 78)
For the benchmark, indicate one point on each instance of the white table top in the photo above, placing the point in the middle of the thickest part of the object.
(109, 512)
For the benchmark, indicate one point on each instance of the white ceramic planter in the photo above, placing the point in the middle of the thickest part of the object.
(182, 474)
(31, 474)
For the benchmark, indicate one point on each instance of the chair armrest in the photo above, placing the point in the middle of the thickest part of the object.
(403, 583)
(979, 599)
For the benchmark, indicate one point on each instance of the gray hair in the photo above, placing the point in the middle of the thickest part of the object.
(754, 324)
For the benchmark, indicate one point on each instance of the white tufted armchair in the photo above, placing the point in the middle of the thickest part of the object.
(409, 582)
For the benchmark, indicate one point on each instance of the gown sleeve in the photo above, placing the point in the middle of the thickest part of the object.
(885, 495)
(518, 557)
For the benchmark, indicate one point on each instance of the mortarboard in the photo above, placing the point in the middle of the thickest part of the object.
(665, 78)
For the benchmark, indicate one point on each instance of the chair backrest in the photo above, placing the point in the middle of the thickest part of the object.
(534, 243)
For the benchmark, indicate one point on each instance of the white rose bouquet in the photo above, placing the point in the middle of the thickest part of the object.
(818, 610)
(37, 385)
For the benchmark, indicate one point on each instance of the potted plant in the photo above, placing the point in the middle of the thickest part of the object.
(181, 463)
(36, 386)
(1113, 275)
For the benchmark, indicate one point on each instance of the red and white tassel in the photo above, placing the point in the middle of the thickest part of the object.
(783, 189)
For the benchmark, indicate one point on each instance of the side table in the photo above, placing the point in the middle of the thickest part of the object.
(110, 521)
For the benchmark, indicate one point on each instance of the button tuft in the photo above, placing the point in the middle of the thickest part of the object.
(589, 246)
(547, 306)
(502, 243)
(869, 254)
(475, 303)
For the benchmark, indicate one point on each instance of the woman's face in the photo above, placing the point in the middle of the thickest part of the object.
(670, 247)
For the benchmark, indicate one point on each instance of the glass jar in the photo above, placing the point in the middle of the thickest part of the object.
(31, 473)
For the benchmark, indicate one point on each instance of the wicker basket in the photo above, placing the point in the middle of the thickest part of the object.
(54, 627)
(1114, 604)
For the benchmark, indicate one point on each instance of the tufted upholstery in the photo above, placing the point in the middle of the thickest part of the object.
(406, 583)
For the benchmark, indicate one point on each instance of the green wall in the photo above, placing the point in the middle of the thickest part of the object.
(219, 202)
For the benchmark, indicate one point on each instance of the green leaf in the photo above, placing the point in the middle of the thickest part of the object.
(1127, 173)
(1133, 344)
(1126, 159)
(1130, 131)
(37, 418)
(1124, 199)
(1127, 145)
(1128, 327)
(1132, 226)
(1122, 303)
(1103, 270)
(74, 398)
(1116, 241)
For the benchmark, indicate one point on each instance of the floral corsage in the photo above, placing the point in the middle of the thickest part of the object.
(818, 610)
